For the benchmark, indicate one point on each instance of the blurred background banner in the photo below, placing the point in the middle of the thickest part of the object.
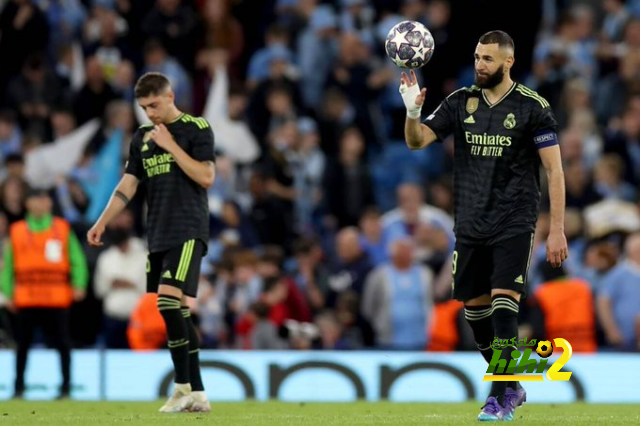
(318, 377)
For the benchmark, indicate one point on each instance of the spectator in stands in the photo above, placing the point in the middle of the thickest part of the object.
(258, 68)
(268, 213)
(372, 240)
(222, 30)
(34, 94)
(156, 58)
(311, 275)
(271, 265)
(398, 300)
(174, 23)
(619, 299)
(120, 278)
(14, 166)
(608, 179)
(310, 164)
(623, 141)
(317, 48)
(352, 266)
(92, 98)
(10, 134)
(411, 213)
(348, 187)
(13, 191)
(24, 30)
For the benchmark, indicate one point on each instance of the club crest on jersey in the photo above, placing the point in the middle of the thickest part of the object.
(510, 121)
(472, 105)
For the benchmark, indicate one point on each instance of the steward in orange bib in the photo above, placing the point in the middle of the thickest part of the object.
(564, 307)
(44, 272)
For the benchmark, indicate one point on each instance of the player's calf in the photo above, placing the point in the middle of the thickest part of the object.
(178, 336)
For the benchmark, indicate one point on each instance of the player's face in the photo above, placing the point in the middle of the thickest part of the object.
(490, 64)
(157, 107)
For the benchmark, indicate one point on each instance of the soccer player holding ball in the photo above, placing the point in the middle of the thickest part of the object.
(503, 131)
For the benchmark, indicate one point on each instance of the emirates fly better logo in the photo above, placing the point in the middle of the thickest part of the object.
(499, 371)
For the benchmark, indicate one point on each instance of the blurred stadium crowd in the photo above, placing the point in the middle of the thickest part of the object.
(326, 231)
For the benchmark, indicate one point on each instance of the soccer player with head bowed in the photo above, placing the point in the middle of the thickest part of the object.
(174, 156)
(502, 131)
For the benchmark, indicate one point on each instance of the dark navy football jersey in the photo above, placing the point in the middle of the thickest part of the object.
(496, 160)
(178, 208)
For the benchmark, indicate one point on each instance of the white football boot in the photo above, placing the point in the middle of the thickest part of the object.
(200, 402)
(179, 401)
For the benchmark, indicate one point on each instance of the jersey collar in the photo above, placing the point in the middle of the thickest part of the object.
(178, 118)
(513, 86)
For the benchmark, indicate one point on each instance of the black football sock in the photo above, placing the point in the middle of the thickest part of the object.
(479, 318)
(505, 323)
(178, 336)
(194, 352)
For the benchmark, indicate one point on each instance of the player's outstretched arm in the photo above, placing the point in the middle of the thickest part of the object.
(201, 172)
(121, 196)
(416, 134)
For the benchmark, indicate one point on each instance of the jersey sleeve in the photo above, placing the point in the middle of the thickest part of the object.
(134, 163)
(441, 120)
(203, 145)
(544, 126)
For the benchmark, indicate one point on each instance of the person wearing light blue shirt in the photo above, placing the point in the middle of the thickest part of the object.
(619, 299)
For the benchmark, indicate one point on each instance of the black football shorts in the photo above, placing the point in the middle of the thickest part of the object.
(479, 269)
(178, 267)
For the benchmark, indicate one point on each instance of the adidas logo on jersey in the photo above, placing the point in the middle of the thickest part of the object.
(470, 120)
(167, 274)
(520, 280)
(145, 147)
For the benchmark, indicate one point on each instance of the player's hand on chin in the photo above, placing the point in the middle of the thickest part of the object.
(161, 136)
(557, 251)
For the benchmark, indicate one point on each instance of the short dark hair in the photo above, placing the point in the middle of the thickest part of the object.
(500, 37)
(14, 158)
(151, 83)
(278, 30)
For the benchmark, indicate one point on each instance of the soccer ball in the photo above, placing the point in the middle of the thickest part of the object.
(544, 349)
(409, 44)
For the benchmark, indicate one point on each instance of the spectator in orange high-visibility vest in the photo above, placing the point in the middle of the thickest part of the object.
(44, 272)
(146, 330)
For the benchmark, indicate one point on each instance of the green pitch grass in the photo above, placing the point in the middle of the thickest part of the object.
(65, 413)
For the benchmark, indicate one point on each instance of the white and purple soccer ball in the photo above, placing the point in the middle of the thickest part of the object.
(409, 44)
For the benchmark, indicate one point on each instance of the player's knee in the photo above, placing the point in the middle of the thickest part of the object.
(483, 300)
(504, 292)
(169, 290)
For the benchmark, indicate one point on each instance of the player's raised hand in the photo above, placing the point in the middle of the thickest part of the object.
(94, 235)
(412, 96)
(557, 250)
(162, 137)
